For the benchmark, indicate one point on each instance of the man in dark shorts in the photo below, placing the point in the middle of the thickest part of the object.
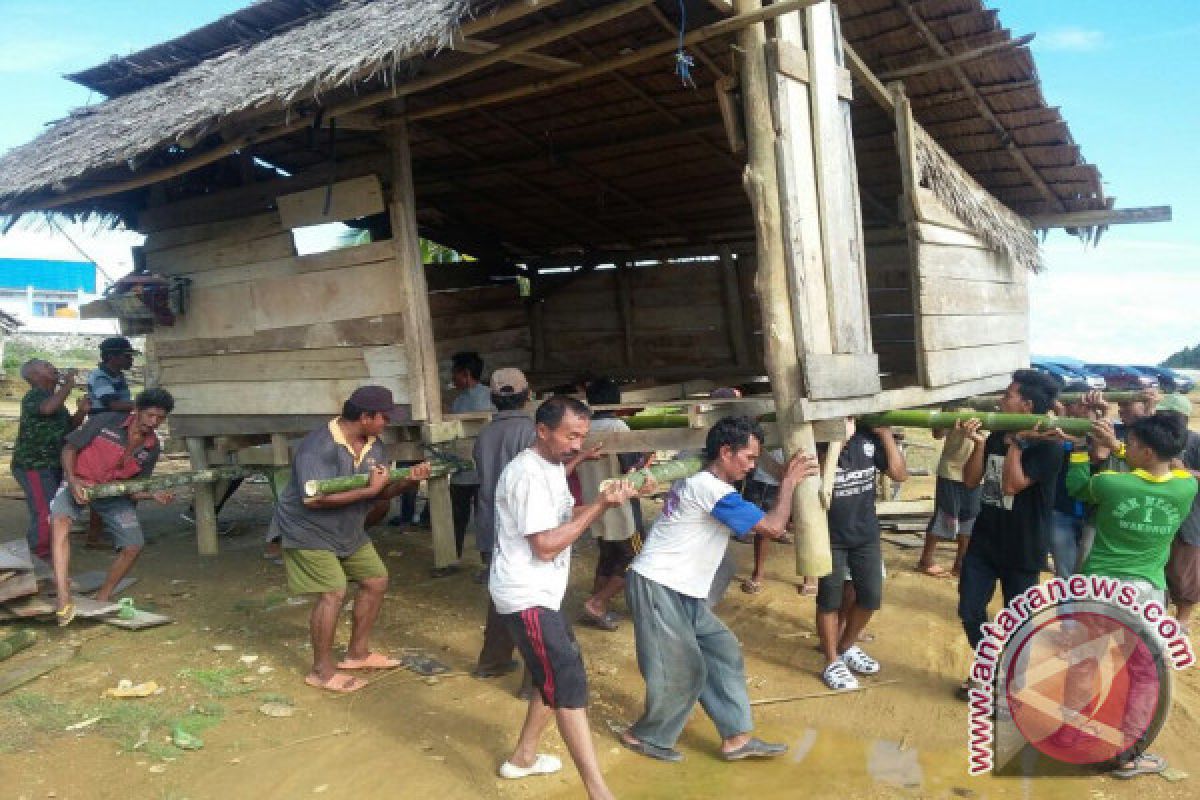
(107, 448)
(854, 539)
(1012, 533)
(325, 543)
(536, 523)
(955, 506)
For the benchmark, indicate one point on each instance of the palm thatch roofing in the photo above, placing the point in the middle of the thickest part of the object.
(617, 159)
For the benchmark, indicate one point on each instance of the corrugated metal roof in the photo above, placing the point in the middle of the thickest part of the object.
(40, 273)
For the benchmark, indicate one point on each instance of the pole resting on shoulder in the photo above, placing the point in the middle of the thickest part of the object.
(351, 482)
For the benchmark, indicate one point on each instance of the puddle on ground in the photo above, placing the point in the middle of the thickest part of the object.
(827, 763)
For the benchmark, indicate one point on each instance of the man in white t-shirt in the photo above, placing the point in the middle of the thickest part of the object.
(684, 652)
(536, 524)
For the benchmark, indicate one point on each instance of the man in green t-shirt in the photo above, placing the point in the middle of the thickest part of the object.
(37, 453)
(1137, 514)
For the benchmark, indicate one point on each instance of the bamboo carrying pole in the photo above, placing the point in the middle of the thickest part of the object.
(438, 469)
(159, 482)
(663, 473)
(647, 422)
(988, 402)
(919, 418)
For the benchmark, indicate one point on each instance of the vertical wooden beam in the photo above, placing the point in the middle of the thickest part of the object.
(424, 387)
(779, 336)
(735, 322)
(203, 501)
(441, 522)
(625, 309)
(910, 176)
(280, 454)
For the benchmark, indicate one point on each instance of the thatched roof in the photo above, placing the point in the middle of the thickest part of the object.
(621, 159)
(354, 41)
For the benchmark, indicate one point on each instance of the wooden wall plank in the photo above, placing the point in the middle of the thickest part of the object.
(321, 363)
(385, 329)
(239, 230)
(272, 397)
(327, 296)
(951, 331)
(218, 254)
(970, 363)
(350, 199)
(958, 297)
(940, 261)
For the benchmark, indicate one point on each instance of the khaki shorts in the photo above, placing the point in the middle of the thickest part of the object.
(320, 571)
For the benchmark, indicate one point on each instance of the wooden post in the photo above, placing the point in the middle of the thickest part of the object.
(280, 454)
(425, 385)
(220, 450)
(625, 309)
(734, 320)
(779, 336)
(203, 501)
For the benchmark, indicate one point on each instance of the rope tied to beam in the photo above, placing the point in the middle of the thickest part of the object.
(683, 61)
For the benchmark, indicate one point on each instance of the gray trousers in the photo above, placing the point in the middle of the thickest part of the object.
(685, 654)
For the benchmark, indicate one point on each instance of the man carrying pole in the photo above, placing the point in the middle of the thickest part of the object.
(325, 542)
(109, 447)
(684, 652)
(536, 524)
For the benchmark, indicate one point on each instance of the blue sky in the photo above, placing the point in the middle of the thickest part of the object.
(1123, 73)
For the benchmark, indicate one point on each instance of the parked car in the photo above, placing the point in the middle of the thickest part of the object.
(1168, 379)
(1092, 380)
(1121, 377)
(1067, 380)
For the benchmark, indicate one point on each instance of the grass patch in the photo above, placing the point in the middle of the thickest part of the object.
(272, 599)
(41, 713)
(219, 681)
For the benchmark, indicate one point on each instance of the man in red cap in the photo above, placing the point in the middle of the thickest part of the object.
(325, 543)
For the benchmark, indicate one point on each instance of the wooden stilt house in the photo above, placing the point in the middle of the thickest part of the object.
(839, 196)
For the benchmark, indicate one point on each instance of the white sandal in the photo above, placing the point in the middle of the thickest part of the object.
(838, 677)
(543, 765)
(859, 661)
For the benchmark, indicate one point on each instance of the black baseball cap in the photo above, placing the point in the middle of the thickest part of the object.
(115, 345)
(377, 399)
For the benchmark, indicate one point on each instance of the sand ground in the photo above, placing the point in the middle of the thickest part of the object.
(403, 737)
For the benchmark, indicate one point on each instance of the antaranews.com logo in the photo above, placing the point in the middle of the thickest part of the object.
(1075, 671)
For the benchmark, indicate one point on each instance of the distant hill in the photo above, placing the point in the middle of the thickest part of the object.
(1187, 358)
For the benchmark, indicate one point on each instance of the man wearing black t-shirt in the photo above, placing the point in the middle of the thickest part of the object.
(854, 542)
(1013, 530)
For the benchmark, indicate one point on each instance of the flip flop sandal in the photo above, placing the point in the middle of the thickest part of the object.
(1155, 765)
(65, 615)
(755, 748)
(859, 661)
(542, 765)
(934, 571)
(443, 572)
(807, 591)
(751, 586)
(339, 684)
(604, 623)
(372, 661)
(667, 754)
(837, 676)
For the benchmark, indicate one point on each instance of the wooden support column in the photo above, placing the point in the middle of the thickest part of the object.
(779, 334)
(625, 310)
(203, 501)
(735, 321)
(425, 387)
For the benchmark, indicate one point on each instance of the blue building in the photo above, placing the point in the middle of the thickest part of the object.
(33, 289)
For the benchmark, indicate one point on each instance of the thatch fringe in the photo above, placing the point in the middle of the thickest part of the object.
(996, 224)
(355, 41)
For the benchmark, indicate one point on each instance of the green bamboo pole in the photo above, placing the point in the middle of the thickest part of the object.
(663, 472)
(989, 402)
(920, 418)
(16, 642)
(158, 482)
(351, 482)
(645, 422)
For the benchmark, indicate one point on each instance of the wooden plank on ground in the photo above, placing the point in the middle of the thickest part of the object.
(17, 673)
(357, 197)
(15, 555)
(21, 584)
(140, 620)
(34, 605)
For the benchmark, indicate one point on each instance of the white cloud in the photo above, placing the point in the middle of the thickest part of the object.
(1125, 301)
(1078, 40)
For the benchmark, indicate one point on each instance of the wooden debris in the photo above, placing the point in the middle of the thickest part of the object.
(15, 556)
(16, 642)
(20, 585)
(20, 674)
(140, 619)
(766, 701)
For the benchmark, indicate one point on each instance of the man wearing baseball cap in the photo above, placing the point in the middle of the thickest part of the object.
(325, 543)
(107, 390)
